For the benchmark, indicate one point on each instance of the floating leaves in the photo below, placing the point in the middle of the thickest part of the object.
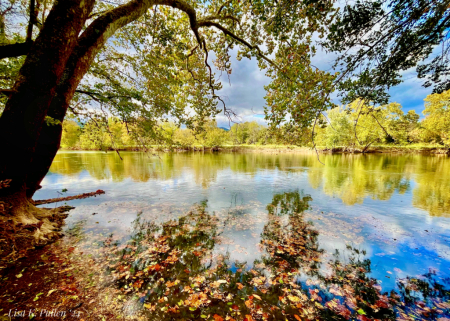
(172, 271)
(37, 296)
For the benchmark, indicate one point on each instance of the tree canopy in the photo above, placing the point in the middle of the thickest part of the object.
(378, 40)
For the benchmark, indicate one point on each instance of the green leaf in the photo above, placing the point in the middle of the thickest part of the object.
(361, 311)
(37, 296)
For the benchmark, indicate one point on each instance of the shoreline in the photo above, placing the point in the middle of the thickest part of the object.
(433, 150)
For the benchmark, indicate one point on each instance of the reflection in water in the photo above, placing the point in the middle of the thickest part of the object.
(351, 178)
(433, 186)
(354, 177)
(174, 272)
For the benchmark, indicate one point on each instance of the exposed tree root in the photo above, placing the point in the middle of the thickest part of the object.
(23, 226)
(26, 226)
(69, 198)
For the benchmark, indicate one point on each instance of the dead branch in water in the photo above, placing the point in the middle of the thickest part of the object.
(69, 198)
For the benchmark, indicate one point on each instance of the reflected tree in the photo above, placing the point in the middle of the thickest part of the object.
(174, 273)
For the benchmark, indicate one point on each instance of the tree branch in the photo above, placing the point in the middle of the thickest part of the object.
(211, 18)
(223, 6)
(382, 127)
(6, 92)
(90, 94)
(227, 32)
(190, 11)
(69, 198)
(32, 21)
(187, 64)
(15, 50)
(227, 112)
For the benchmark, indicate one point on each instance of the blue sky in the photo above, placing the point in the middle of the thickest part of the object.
(246, 91)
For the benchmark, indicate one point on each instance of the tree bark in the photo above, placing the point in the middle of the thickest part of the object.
(27, 107)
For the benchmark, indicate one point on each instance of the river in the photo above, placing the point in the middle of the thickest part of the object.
(393, 208)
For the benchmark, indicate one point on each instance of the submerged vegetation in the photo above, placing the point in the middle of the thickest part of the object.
(173, 271)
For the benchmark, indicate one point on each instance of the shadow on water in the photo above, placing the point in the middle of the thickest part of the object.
(172, 271)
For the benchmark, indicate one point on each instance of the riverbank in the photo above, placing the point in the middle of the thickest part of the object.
(415, 148)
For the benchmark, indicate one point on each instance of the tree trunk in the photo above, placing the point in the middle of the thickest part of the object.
(89, 45)
(26, 109)
(47, 146)
(23, 118)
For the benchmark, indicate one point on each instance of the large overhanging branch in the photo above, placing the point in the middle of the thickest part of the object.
(97, 33)
(190, 11)
(208, 23)
(212, 18)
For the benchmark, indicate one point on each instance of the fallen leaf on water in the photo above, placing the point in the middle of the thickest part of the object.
(37, 296)
(361, 311)
(51, 291)
(217, 317)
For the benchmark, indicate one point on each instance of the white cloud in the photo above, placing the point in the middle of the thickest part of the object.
(244, 91)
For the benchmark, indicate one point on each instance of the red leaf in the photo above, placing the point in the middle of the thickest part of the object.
(217, 317)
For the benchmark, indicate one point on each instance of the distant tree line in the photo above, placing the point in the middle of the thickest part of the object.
(356, 126)
(359, 125)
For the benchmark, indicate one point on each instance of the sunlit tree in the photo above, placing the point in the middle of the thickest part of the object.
(437, 116)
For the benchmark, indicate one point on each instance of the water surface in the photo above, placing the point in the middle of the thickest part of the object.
(394, 208)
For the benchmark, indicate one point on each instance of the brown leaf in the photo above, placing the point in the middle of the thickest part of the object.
(217, 317)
